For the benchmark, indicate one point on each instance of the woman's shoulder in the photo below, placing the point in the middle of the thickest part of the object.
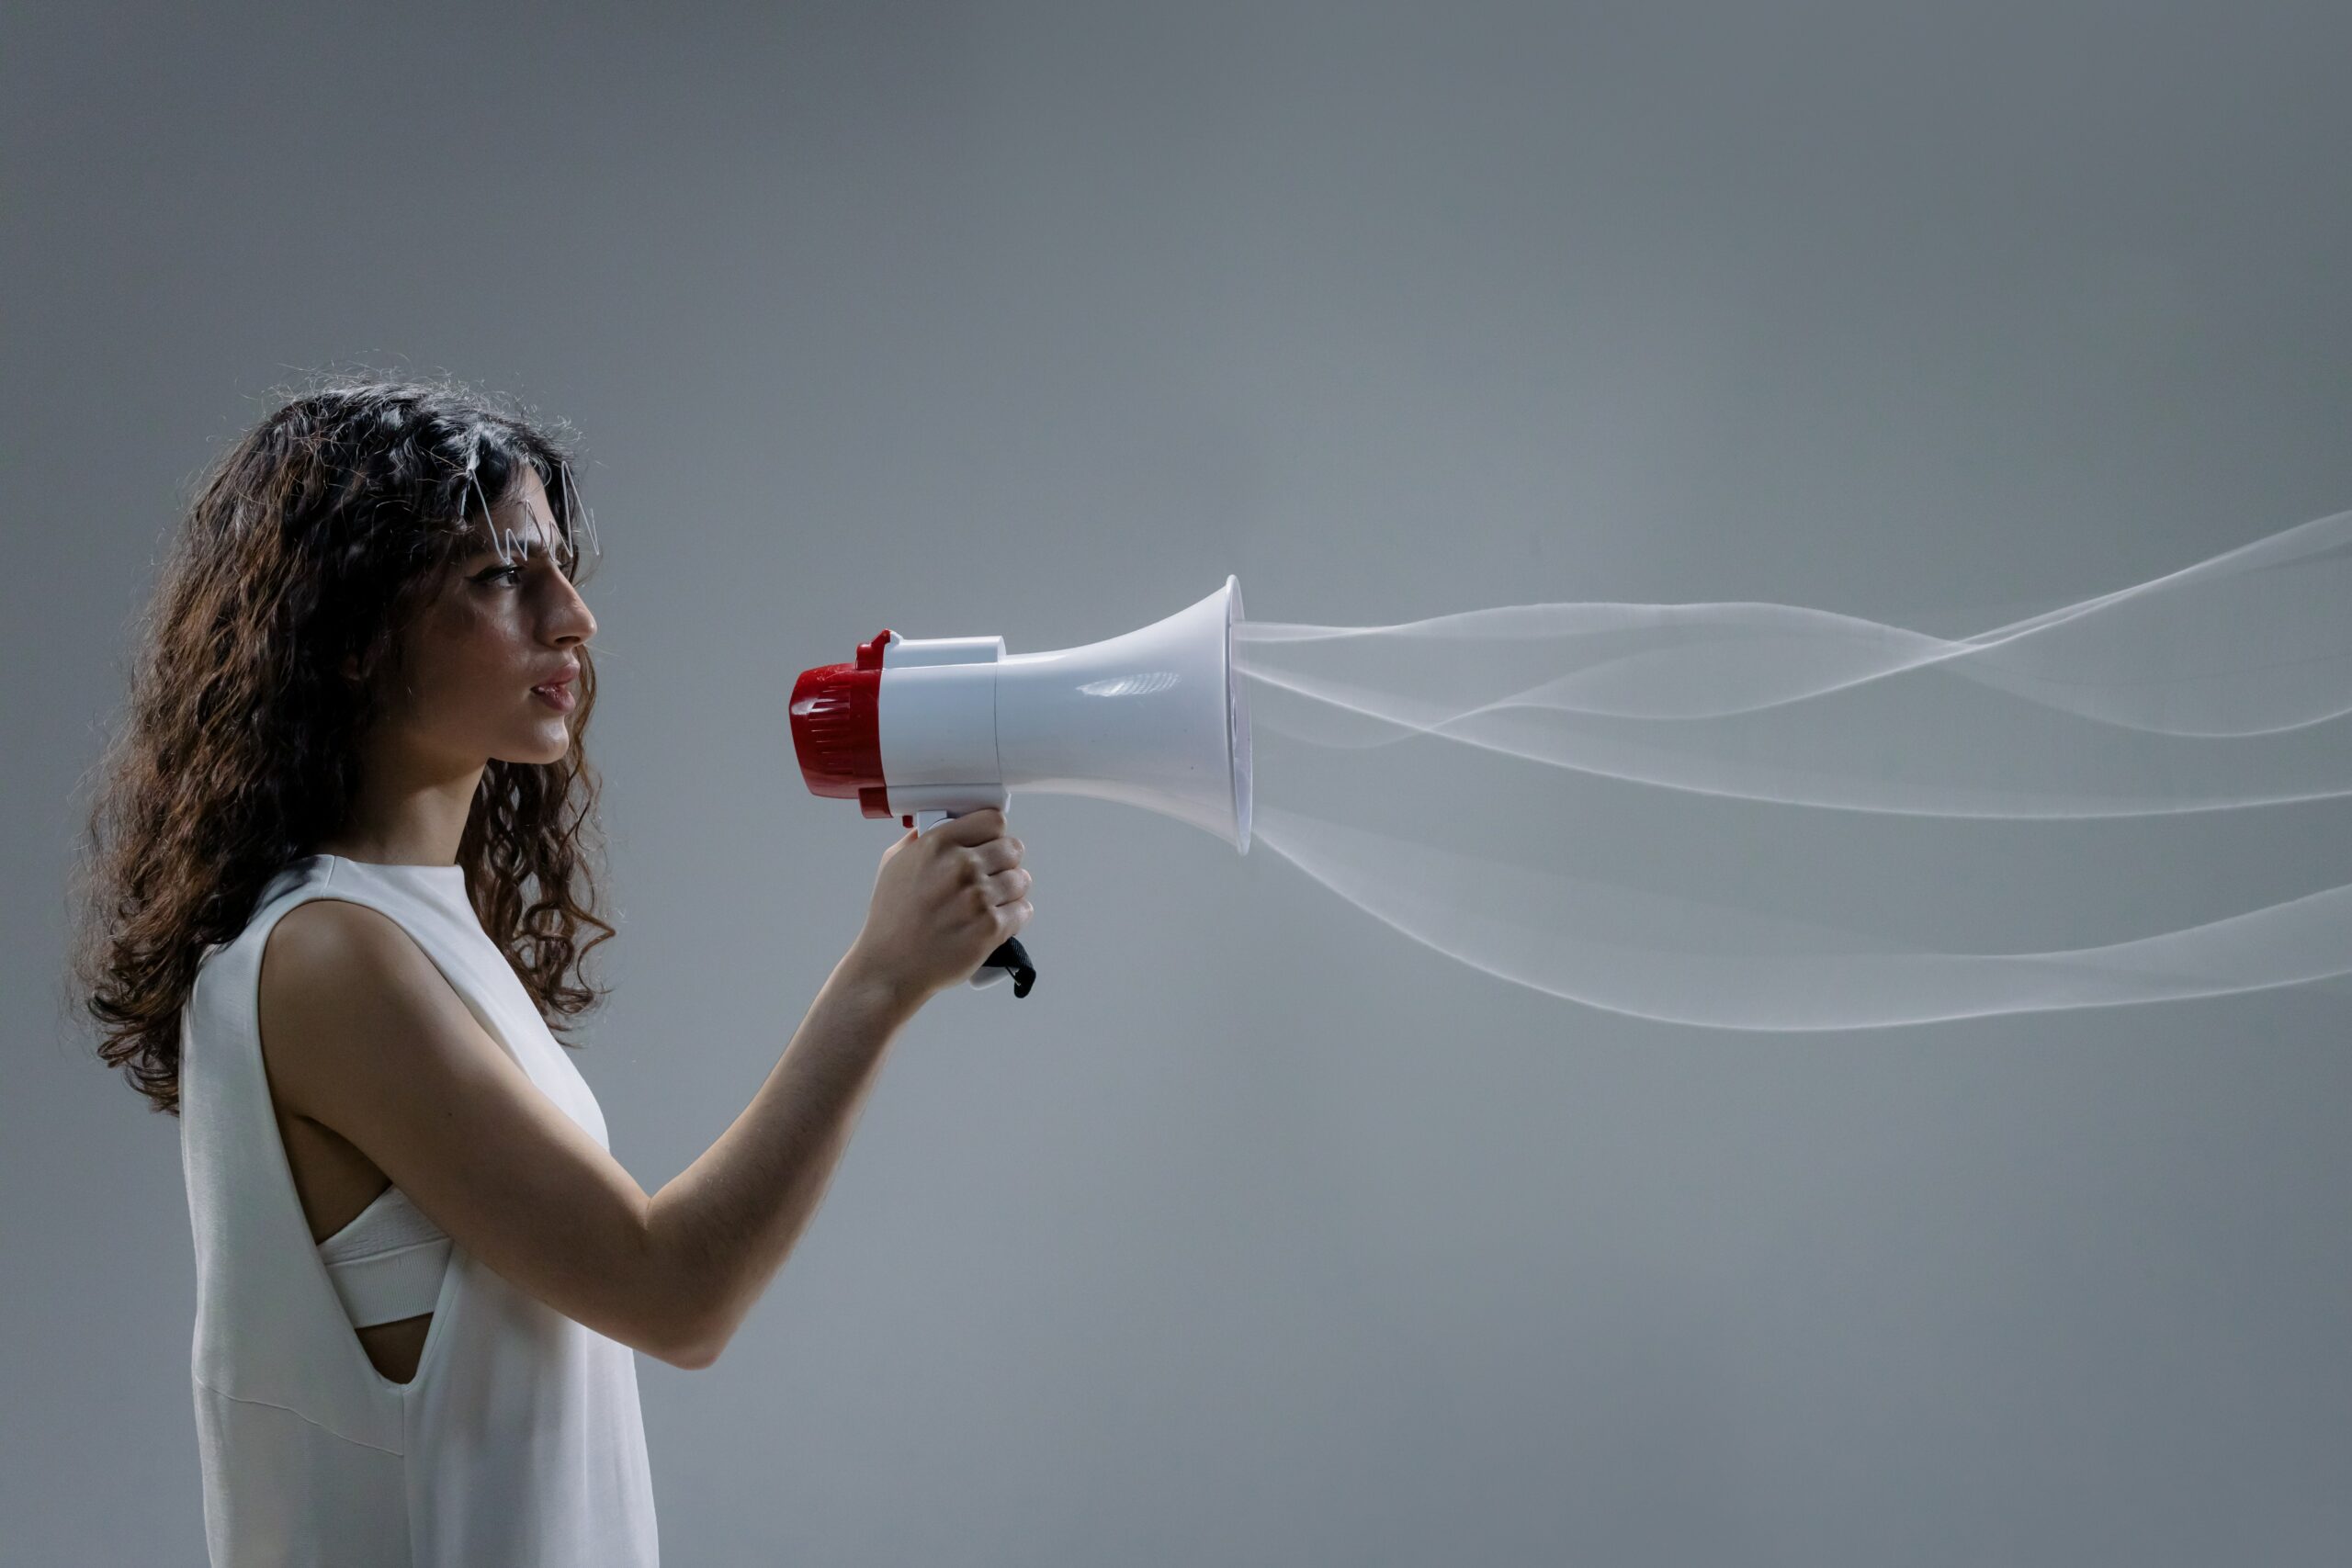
(333, 950)
(334, 974)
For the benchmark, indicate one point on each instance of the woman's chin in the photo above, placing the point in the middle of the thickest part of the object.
(543, 746)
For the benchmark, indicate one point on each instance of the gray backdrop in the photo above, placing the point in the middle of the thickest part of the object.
(1258, 1234)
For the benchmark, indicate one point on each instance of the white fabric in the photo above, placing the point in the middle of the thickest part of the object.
(518, 1444)
(386, 1263)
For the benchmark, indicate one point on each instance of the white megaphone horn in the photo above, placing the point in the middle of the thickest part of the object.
(927, 728)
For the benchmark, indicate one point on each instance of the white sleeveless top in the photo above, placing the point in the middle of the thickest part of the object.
(518, 1442)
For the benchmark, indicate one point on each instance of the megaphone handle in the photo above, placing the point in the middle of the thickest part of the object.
(1010, 957)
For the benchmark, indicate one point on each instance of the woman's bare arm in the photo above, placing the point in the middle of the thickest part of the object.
(362, 1034)
(727, 1222)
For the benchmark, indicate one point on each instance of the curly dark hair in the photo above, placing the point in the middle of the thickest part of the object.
(317, 537)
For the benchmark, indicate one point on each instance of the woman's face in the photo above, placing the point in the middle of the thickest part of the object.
(474, 656)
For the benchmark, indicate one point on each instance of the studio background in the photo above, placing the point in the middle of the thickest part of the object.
(1257, 1233)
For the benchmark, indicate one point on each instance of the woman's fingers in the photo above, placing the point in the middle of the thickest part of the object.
(998, 855)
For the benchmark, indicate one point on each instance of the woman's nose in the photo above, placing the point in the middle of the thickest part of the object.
(572, 618)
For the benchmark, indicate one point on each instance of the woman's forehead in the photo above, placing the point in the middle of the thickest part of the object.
(523, 524)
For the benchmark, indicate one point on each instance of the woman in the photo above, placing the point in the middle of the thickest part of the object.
(337, 897)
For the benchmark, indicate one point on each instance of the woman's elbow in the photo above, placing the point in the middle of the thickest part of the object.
(690, 1341)
(692, 1360)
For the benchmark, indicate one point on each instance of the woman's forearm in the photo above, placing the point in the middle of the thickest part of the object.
(721, 1228)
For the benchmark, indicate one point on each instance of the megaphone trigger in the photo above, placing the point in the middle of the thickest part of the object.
(1014, 959)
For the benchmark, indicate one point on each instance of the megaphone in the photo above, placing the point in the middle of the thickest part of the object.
(927, 728)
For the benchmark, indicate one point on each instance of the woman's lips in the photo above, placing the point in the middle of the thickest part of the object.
(559, 697)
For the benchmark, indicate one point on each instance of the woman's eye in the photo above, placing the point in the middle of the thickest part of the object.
(512, 572)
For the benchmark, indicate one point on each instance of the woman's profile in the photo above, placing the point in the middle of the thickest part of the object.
(338, 896)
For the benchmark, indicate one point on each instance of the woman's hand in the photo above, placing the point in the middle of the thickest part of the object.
(943, 900)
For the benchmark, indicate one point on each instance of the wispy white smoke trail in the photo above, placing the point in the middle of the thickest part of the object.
(2225, 685)
(2221, 686)
(1681, 961)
